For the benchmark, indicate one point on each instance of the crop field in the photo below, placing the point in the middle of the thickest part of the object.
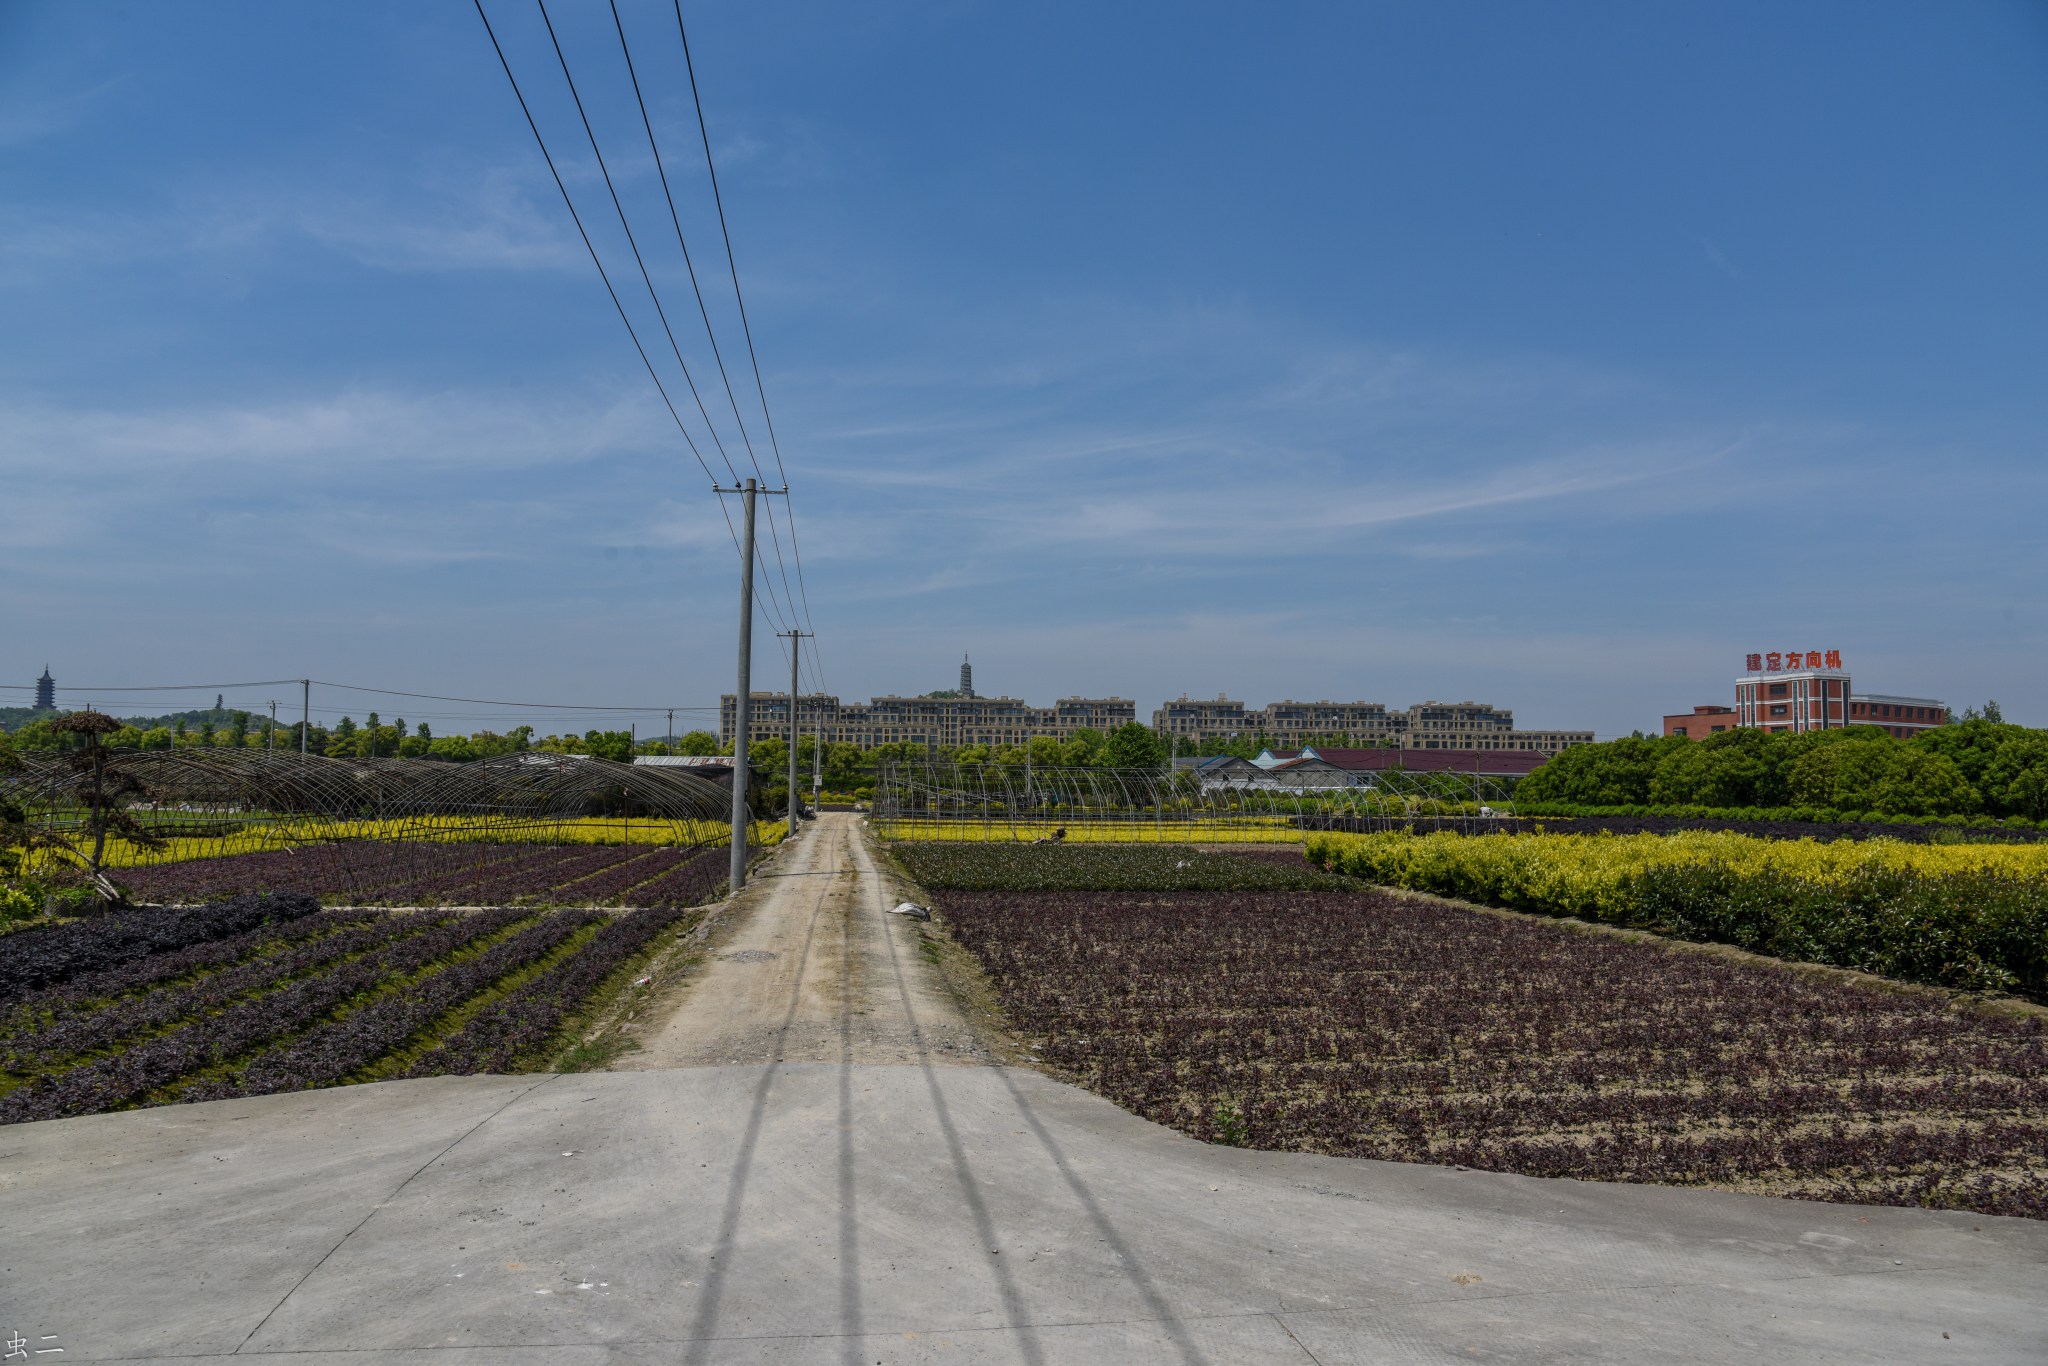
(260, 994)
(188, 836)
(433, 874)
(1377, 1025)
(1973, 916)
(1047, 868)
(1175, 829)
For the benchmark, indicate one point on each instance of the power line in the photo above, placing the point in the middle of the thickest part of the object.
(654, 296)
(732, 265)
(577, 218)
(633, 242)
(675, 218)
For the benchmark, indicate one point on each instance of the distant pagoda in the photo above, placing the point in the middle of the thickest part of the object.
(966, 677)
(46, 691)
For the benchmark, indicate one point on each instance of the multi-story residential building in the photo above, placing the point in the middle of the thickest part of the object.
(1477, 726)
(1426, 726)
(1194, 722)
(1365, 722)
(948, 721)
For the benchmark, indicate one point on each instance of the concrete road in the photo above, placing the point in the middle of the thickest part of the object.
(850, 1212)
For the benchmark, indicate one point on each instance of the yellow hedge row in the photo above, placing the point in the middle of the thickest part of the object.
(1592, 876)
(599, 830)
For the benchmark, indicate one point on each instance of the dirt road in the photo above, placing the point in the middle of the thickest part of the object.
(807, 965)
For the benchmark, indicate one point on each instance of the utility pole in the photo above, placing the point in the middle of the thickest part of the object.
(796, 640)
(306, 722)
(742, 721)
(271, 739)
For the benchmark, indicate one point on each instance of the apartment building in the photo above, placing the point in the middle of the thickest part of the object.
(947, 721)
(1477, 726)
(1425, 726)
(1365, 722)
(1197, 721)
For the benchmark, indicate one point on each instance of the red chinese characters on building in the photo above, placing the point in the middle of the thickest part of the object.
(1793, 659)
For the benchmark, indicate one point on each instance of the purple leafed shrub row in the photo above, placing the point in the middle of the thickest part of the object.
(82, 1029)
(477, 875)
(528, 1017)
(58, 953)
(1371, 1025)
(330, 1052)
(203, 1043)
(91, 990)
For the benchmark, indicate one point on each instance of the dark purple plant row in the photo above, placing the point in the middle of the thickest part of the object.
(84, 1031)
(478, 884)
(481, 875)
(330, 1052)
(39, 957)
(561, 880)
(1373, 1025)
(133, 1073)
(615, 879)
(688, 884)
(355, 868)
(529, 1017)
(92, 989)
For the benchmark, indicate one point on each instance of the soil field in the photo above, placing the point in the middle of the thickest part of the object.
(270, 993)
(427, 874)
(1382, 1026)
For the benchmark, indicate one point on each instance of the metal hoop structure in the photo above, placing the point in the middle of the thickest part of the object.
(950, 801)
(387, 826)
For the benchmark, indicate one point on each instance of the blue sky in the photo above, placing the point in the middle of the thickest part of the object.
(1550, 356)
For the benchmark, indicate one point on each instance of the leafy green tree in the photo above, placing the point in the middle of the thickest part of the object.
(1083, 745)
(1970, 745)
(846, 767)
(1618, 773)
(771, 756)
(461, 748)
(1881, 776)
(699, 742)
(2015, 782)
(1132, 746)
(616, 745)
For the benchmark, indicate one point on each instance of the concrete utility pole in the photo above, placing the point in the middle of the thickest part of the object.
(742, 721)
(796, 640)
(306, 716)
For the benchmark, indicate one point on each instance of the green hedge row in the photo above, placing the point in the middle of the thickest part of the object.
(1977, 931)
(1811, 814)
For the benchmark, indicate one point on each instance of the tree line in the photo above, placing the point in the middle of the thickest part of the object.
(1975, 767)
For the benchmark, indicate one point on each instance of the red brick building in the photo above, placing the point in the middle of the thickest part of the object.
(1904, 717)
(1804, 690)
(1796, 691)
(1700, 722)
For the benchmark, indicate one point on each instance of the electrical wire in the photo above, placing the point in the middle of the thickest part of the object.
(732, 264)
(588, 246)
(654, 296)
(675, 218)
(632, 241)
(801, 589)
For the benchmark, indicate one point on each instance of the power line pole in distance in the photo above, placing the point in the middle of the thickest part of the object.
(742, 722)
(795, 643)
